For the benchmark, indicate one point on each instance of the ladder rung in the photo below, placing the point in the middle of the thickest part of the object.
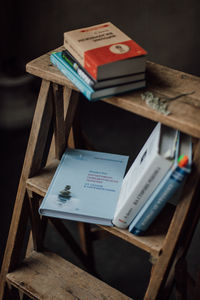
(151, 242)
(49, 276)
(40, 182)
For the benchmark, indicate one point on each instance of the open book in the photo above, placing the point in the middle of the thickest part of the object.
(89, 186)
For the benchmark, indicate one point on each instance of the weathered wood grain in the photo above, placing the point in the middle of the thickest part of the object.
(48, 276)
(34, 159)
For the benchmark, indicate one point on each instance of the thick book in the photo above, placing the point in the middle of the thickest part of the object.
(150, 166)
(169, 187)
(85, 187)
(105, 51)
(87, 90)
(99, 84)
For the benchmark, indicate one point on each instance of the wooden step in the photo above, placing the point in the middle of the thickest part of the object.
(151, 242)
(50, 277)
(40, 183)
(164, 82)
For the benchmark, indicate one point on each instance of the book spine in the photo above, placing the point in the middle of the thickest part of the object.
(153, 175)
(71, 75)
(157, 201)
(74, 50)
(83, 58)
(75, 65)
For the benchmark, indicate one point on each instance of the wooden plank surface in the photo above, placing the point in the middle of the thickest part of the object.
(164, 82)
(152, 241)
(40, 183)
(161, 80)
(43, 68)
(48, 276)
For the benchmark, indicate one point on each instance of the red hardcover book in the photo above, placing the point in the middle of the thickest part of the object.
(105, 51)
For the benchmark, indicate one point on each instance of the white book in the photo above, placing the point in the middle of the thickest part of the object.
(150, 166)
(104, 51)
(169, 189)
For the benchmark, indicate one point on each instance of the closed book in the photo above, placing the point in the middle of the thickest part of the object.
(100, 83)
(66, 55)
(87, 90)
(169, 187)
(149, 168)
(105, 51)
(85, 187)
(88, 186)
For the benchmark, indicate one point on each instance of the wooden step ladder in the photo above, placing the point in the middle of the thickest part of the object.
(45, 275)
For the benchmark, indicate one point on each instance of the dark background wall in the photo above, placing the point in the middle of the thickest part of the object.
(168, 30)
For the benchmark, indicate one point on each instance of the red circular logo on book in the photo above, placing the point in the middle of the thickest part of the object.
(119, 48)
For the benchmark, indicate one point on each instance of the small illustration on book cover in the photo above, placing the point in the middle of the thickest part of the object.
(65, 194)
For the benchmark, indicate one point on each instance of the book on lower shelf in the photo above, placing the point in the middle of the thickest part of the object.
(150, 166)
(87, 90)
(105, 51)
(88, 186)
(85, 187)
(169, 187)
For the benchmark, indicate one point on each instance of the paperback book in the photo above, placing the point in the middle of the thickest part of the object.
(105, 51)
(169, 187)
(91, 94)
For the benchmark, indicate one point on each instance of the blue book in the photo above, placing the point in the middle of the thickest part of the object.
(99, 84)
(168, 187)
(85, 187)
(91, 94)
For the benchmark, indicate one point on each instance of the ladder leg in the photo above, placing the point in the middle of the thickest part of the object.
(11, 293)
(87, 245)
(181, 280)
(59, 132)
(33, 160)
(15, 294)
(65, 103)
(38, 223)
(176, 231)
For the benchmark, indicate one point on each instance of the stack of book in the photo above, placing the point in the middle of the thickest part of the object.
(90, 186)
(101, 61)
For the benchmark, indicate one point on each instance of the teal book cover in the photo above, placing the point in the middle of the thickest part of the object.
(91, 94)
(85, 187)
